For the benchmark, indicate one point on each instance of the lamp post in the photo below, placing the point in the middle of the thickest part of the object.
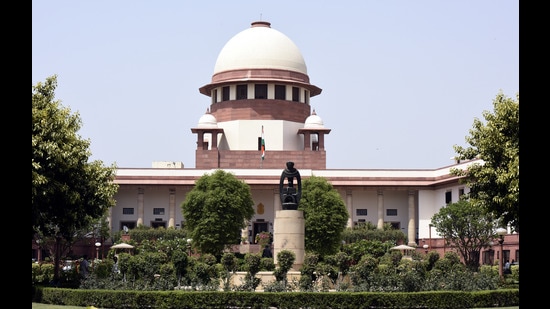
(97, 245)
(426, 246)
(501, 232)
(430, 235)
(189, 240)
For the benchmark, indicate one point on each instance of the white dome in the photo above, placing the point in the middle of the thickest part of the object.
(313, 121)
(208, 121)
(260, 47)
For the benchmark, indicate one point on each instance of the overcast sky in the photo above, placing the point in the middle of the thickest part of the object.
(402, 80)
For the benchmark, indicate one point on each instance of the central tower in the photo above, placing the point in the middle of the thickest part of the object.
(260, 91)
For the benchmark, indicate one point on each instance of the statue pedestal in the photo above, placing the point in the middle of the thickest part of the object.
(289, 230)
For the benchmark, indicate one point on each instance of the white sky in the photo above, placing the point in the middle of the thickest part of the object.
(402, 80)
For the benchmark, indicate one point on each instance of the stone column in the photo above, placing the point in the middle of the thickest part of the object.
(172, 208)
(349, 207)
(289, 231)
(380, 224)
(411, 235)
(140, 210)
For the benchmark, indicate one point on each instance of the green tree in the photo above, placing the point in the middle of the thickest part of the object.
(69, 192)
(325, 216)
(216, 211)
(494, 184)
(464, 226)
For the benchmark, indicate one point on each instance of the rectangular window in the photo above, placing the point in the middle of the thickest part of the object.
(395, 225)
(225, 93)
(260, 91)
(391, 212)
(242, 92)
(306, 97)
(460, 192)
(295, 94)
(127, 211)
(506, 255)
(361, 212)
(448, 197)
(487, 257)
(157, 224)
(280, 92)
(158, 211)
(214, 95)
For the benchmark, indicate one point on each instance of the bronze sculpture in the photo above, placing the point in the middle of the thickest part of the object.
(290, 196)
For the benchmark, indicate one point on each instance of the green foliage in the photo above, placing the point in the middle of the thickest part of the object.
(431, 258)
(267, 264)
(327, 275)
(229, 264)
(216, 211)
(146, 233)
(467, 227)
(360, 272)
(69, 192)
(450, 261)
(342, 261)
(180, 261)
(124, 263)
(394, 257)
(325, 216)
(146, 265)
(103, 268)
(494, 184)
(308, 272)
(363, 247)
(369, 231)
(154, 270)
(412, 275)
(202, 274)
(285, 259)
(42, 273)
(253, 264)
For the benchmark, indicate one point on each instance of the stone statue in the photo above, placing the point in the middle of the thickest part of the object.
(290, 196)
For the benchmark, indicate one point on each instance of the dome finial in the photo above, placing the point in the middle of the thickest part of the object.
(261, 24)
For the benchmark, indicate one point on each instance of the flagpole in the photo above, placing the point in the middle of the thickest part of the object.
(262, 149)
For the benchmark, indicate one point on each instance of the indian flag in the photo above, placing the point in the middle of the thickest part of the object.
(263, 144)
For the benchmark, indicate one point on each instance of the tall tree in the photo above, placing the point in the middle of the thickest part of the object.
(466, 228)
(69, 192)
(325, 216)
(216, 211)
(494, 184)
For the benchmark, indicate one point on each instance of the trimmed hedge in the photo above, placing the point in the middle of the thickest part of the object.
(207, 299)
